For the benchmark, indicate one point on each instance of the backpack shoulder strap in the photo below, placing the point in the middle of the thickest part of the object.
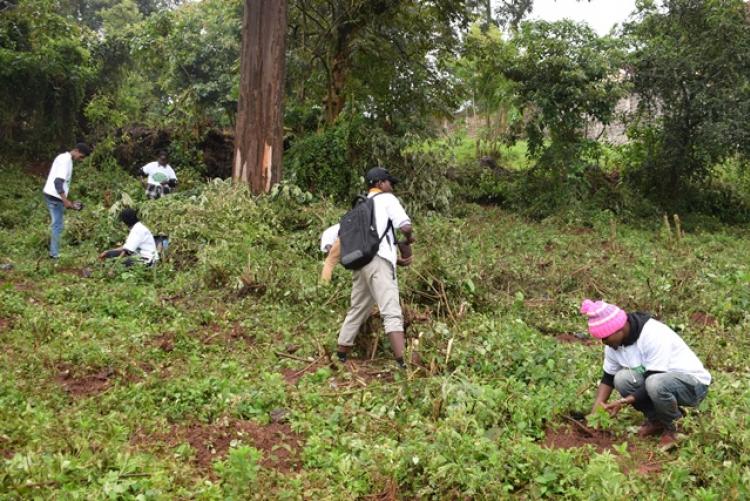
(389, 226)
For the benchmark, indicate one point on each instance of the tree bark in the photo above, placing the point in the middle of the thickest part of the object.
(259, 135)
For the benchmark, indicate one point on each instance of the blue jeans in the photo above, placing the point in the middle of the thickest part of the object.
(666, 392)
(56, 212)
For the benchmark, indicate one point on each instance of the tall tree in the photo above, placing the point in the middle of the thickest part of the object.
(691, 69)
(259, 134)
(563, 75)
(364, 52)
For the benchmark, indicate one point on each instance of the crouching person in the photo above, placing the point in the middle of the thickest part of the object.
(139, 247)
(161, 178)
(650, 366)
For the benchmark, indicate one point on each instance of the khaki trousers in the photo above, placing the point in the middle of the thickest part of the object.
(375, 283)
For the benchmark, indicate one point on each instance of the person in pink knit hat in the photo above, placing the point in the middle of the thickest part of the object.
(650, 366)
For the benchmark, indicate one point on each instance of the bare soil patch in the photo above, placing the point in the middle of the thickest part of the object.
(572, 338)
(292, 375)
(361, 373)
(17, 283)
(703, 319)
(640, 458)
(570, 436)
(5, 324)
(390, 493)
(84, 386)
(280, 446)
(165, 342)
(217, 335)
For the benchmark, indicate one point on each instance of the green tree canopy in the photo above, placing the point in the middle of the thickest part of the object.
(45, 64)
(691, 67)
(564, 75)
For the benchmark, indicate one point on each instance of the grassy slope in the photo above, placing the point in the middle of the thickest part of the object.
(106, 379)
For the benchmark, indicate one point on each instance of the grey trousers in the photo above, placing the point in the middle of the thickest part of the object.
(666, 392)
(374, 284)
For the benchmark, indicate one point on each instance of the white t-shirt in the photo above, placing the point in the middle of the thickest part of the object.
(388, 207)
(153, 171)
(329, 237)
(658, 348)
(141, 241)
(62, 168)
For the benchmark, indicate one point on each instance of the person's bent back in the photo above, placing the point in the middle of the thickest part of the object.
(140, 242)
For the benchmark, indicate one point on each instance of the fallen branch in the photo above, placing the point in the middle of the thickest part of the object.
(585, 429)
(308, 367)
(294, 357)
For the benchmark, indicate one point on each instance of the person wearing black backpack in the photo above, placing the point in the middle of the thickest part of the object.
(369, 249)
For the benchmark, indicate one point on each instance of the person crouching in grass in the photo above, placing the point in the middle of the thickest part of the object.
(140, 242)
(650, 366)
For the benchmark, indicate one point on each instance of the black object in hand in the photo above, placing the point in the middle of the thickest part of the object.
(78, 205)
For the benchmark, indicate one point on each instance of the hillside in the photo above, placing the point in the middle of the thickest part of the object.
(209, 378)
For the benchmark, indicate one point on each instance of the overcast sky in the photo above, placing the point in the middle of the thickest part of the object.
(601, 15)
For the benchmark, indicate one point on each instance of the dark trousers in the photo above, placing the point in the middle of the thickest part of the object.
(128, 261)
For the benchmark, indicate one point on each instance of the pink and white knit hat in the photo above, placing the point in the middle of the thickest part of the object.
(604, 319)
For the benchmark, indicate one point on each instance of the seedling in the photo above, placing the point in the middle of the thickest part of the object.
(600, 419)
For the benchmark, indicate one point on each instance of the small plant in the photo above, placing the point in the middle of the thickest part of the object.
(600, 419)
(239, 471)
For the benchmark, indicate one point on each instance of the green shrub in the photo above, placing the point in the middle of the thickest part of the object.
(320, 162)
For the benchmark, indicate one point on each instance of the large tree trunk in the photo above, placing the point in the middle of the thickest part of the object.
(336, 83)
(259, 136)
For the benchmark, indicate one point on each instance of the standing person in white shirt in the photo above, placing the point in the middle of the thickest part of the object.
(375, 283)
(161, 177)
(140, 242)
(56, 193)
(650, 366)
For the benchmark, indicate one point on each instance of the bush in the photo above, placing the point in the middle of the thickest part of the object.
(320, 162)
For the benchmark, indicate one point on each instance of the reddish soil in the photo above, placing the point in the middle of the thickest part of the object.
(414, 315)
(572, 338)
(360, 373)
(238, 334)
(570, 436)
(17, 284)
(5, 324)
(703, 319)
(292, 376)
(649, 468)
(164, 342)
(277, 442)
(215, 335)
(389, 494)
(135, 372)
(640, 459)
(91, 384)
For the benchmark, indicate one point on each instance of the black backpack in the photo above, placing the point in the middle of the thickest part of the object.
(358, 234)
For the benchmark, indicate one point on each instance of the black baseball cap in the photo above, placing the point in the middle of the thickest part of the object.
(83, 148)
(379, 174)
